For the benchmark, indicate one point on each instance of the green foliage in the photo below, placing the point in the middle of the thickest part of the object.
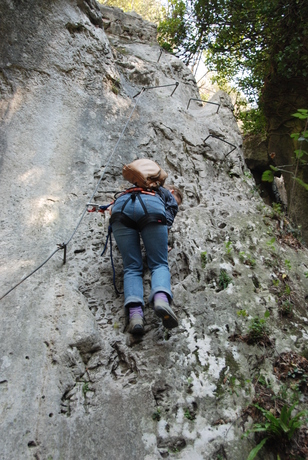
(224, 279)
(253, 121)
(268, 176)
(151, 10)
(85, 388)
(302, 114)
(188, 414)
(299, 385)
(287, 290)
(271, 244)
(258, 328)
(284, 426)
(286, 308)
(288, 264)
(228, 245)
(280, 428)
(203, 259)
(156, 415)
(256, 449)
(232, 381)
(277, 211)
(243, 40)
(247, 259)
(172, 29)
(264, 381)
(115, 89)
(242, 313)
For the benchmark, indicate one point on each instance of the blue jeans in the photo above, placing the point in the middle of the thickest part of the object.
(155, 239)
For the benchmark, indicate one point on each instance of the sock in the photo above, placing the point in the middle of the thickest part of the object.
(135, 311)
(161, 296)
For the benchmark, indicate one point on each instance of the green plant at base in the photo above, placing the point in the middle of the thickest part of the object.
(115, 89)
(297, 380)
(288, 264)
(85, 388)
(247, 259)
(287, 290)
(188, 414)
(228, 245)
(271, 244)
(258, 328)
(284, 426)
(232, 381)
(190, 381)
(157, 415)
(286, 308)
(224, 279)
(264, 381)
(277, 210)
(203, 259)
(242, 313)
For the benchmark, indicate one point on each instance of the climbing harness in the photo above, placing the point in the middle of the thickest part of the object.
(148, 218)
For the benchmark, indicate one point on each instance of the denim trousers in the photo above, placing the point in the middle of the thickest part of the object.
(155, 239)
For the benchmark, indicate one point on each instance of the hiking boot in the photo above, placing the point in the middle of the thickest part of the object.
(165, 312)
(135, 326)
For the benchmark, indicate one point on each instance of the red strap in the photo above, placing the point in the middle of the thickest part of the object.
(138, 189)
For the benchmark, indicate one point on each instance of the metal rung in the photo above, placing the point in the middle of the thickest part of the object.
(219, 138)
(145, 88)
(205, 102)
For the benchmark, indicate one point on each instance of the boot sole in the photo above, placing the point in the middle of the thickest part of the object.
(169, 321)
(137, 330)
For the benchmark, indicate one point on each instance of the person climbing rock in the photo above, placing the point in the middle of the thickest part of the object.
(151, 215)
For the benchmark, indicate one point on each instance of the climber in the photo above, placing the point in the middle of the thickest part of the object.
(157, 211)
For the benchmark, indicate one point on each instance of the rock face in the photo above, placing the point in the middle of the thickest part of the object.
(84, 90)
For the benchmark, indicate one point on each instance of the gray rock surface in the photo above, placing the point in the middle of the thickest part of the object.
(73, 383)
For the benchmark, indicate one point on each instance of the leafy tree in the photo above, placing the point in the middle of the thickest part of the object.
(151, 10)
(243, 40)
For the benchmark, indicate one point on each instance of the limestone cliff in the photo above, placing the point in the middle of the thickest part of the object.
(84, 90)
